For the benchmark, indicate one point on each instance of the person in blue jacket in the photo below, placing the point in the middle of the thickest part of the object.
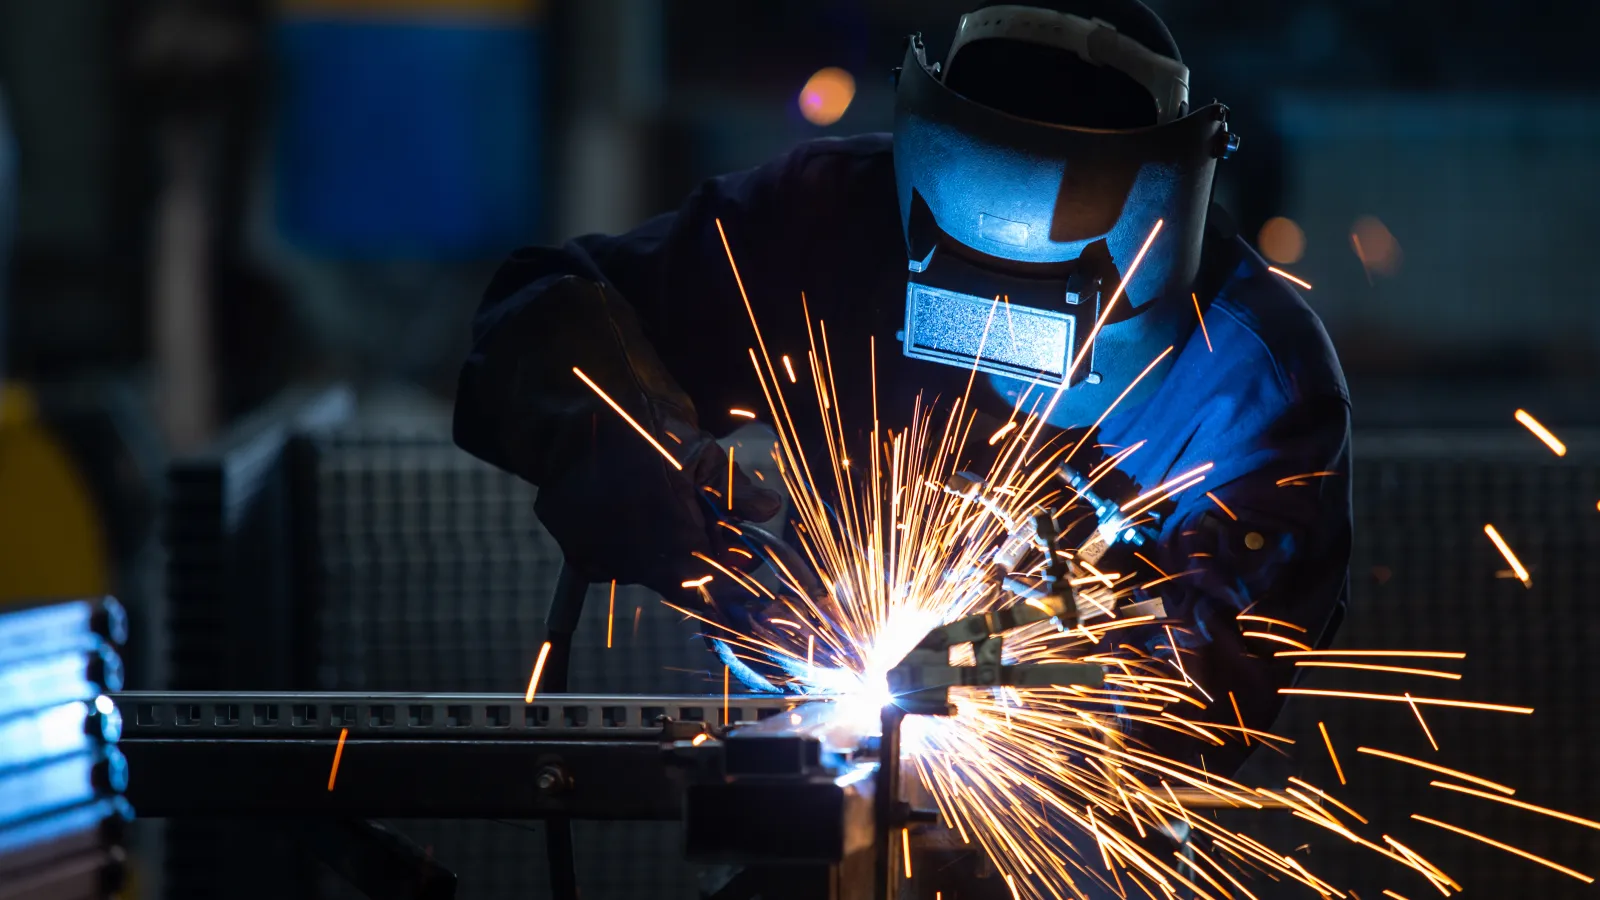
(1035, 163)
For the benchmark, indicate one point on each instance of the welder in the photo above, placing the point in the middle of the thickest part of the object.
(1033, 164)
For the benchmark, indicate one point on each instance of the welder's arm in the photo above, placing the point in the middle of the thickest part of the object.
(1278, 550)
(653, 317)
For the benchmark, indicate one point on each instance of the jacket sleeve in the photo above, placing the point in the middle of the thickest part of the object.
(671, 276)
(1257, 566)
(651, 317)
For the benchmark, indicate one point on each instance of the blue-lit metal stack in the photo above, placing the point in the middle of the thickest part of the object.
(61, 775)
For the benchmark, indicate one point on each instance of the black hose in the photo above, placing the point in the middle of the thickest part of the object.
(566, 607)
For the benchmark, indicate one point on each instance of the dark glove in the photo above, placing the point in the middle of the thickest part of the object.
(741, 608)
(616, 505)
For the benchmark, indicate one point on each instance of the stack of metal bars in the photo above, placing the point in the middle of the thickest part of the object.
(1425, 576)
(431, 573)
(61, 774)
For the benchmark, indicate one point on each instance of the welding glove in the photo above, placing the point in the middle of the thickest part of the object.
(622, 506)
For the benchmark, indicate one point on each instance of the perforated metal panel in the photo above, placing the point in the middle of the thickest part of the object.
(430, 572)
(1424, 576)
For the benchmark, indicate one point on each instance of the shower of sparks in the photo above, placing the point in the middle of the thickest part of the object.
(1338, 769)
(1391, 698)
(1399, 670)
(1289, 278)
(1588, 823)
(338, 753)
(1222, 506)
(1047, 781)
(1202, 317)
(1004, 430)
(1541, 432)
(1411, 654)
(611, 613)
(538, 669)
(1505, 550)
(1423, 722)
(1506, 847)
(1443, 770)
(627, 418)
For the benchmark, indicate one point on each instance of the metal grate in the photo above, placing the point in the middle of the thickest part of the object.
(431, 573)
(1424, 576)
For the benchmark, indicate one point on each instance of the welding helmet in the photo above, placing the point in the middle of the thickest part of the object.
(1048, 218)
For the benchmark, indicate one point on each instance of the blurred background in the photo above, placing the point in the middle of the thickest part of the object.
(211, 212)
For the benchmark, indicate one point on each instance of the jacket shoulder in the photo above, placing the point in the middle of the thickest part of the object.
(1276, 322)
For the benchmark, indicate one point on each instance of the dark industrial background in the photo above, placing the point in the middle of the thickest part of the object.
(218, 210)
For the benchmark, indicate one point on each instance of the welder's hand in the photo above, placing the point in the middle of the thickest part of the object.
(742, 606)
(623, 506)
(641, 521)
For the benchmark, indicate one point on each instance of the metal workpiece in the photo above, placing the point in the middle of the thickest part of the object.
(785, 764)
(398, 717)
(46, 681)
(49, 629)
(404, 779)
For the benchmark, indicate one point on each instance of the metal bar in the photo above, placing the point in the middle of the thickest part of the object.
(426, 717)
(444, 779)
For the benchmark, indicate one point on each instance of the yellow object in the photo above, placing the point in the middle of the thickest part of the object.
(51, 542)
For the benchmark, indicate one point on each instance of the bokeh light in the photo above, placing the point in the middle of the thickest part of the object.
(1282, 241)
(827, 95)
(1375, 246)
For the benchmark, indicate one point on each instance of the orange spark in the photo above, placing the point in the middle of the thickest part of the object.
(338, 753)
(1399, 670)
(1418, 654)
(1338, 769)
(1004, 430)
(741, 413)
(627, 418)
(1270, 621)
(1166, 485)
(1293, 478)
(1453, 773)
(700, 738)
(789, 367)
(611, 612)
(905, 845)
(1423, 722)
(697, 582)
(725, 719)
(731, 470)
(1240, 716)
(1391, 894)
(538, 669)
(1267, 635)
(1541, 432)
(1201, 316)
(1222, 506)
(1290, 278)
(1590, 823)
(1506, 847)
(1516, 564)
(1429, 701)
(1106, 313)
(1326, 796)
